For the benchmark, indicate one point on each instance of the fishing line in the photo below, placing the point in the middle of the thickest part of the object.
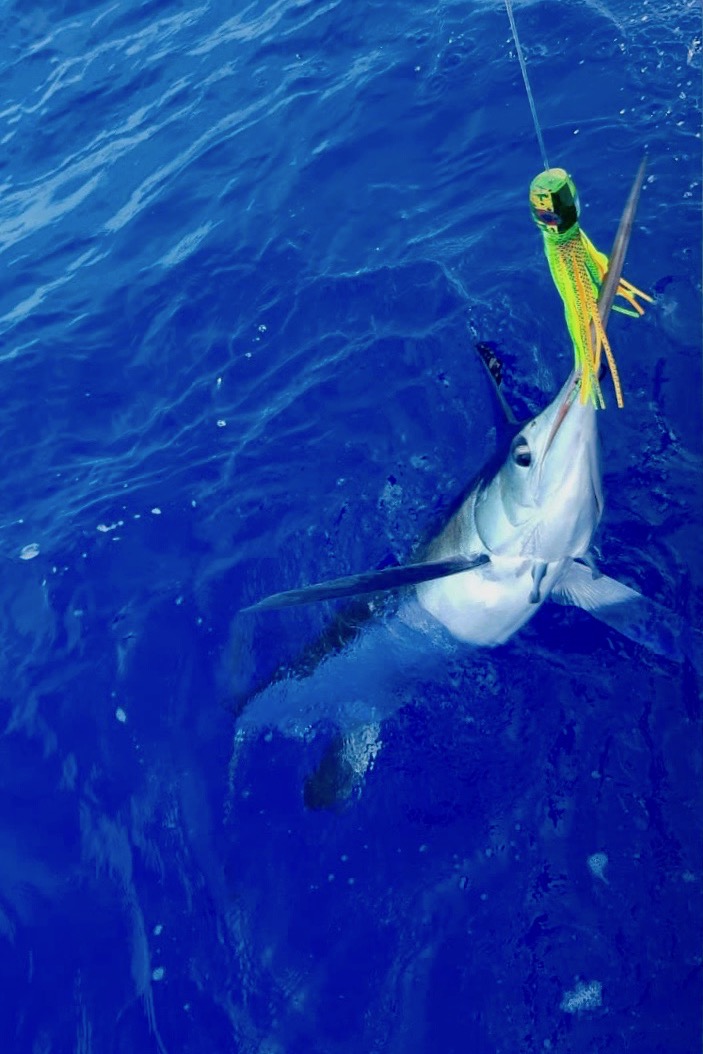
(528, 89)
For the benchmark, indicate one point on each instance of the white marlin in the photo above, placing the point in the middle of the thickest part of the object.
(520, 537)
(523, 534)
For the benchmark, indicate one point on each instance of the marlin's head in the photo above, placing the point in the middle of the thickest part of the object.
(545, 501)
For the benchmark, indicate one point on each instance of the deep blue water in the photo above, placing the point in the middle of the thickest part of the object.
(246, 252)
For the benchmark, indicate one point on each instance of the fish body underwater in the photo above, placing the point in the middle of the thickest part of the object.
(521, 536)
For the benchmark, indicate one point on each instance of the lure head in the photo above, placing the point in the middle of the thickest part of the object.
(554, 201)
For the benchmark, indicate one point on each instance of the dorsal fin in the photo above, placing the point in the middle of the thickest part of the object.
(610, 284)
(494, 368)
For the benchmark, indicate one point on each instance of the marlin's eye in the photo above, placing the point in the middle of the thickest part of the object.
(521, 453)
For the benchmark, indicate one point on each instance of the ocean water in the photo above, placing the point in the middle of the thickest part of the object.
(247, 250)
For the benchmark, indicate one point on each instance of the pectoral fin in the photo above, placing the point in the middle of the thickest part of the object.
(580, 588)
(627, 611)
(371, 582)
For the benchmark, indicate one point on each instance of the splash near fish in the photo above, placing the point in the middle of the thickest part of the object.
(578, 270)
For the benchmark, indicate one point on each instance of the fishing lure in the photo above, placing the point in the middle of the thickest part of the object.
(578, 270)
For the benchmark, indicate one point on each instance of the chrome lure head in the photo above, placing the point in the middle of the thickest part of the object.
(545, 501)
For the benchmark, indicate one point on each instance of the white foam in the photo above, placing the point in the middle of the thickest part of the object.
(597, 863)
(585, 996)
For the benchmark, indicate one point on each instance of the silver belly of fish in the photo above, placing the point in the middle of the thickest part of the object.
(486, 606)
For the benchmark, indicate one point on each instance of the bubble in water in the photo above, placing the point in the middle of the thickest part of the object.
(597, 863)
